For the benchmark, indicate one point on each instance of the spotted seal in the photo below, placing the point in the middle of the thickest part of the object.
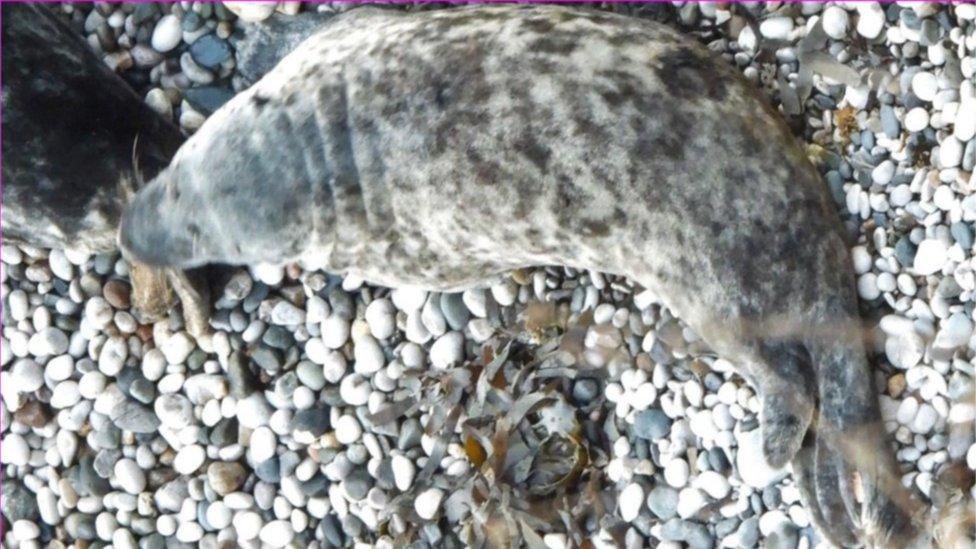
(78, 141)
(439, 149)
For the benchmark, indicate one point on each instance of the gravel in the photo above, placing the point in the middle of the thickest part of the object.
(320, 407)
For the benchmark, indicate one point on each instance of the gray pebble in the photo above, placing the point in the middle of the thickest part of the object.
(748, 532)
(209, 51)
(692, 533)
(651, 424)
(313, 420)
(134, 417)
(454, 310)
(663, 502)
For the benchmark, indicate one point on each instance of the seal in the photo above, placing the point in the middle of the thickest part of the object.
(78, 142)
(439, 149)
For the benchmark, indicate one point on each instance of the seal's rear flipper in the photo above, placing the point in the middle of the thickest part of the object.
(853, 454)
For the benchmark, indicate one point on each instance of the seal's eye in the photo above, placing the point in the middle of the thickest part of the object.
(173, 191)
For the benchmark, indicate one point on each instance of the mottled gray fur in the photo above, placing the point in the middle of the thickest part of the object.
(439, 149)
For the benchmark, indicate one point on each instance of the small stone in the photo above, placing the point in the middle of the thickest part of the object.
(263, 444)
(15, 450)
(175, 411)
(455, 311)
(447, 350)
(956, 331)
(285, 313)
(313, 420)
(26, 376)
(925, 85)
(177, 348)
(348, 430)
(917, 119)
(776, 28)
(252, 11)
(189, 459)
(962, 233)
(277, 533)
(883, 173)
(254, 411)
(630, 501)
(676, 472)
(835, 22)
(225, 477)
(404, 471)
(209, 51)
(335, 332)
(167, 34)
(207, 99)
(930, 257)
(117, 293)
(48, 342)
(651, 424)
(663, 502)
(871, 20)
(134, 417)
(714, 484)
(428, 503)
(130, 476)
(965, 124)
(380, 318)
(950, 153)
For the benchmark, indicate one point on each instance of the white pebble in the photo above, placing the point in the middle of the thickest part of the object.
(263, 444)
(277, 533)
(428, 503)
(631, 499)
(917, 119)
(130, 476)
(167, 34)
(835, 22)
(348, 430)
(676, 472)
(189, 459)
(930, 257)
(871, 20)
(448, 350)
(403, 472)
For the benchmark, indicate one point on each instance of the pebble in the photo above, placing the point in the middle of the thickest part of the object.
(651, 424)
(870, 20)
(930, 257)
(676, 473)
(630, 501)
(167, 34)
(47, 342)
(130, 476)
(404, 471)
(428, 503)
(225, 477)
(252, 12)
(277, 533)
(917, 119)
(835, 22)
(447, 350)
(209, 51)
(663, 502)
(189, 459)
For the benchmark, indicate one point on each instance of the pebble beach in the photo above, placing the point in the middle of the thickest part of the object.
(553, 409)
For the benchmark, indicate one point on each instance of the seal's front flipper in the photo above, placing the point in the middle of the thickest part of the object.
(785, 382)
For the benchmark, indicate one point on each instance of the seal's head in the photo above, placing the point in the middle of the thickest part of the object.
(150, 232)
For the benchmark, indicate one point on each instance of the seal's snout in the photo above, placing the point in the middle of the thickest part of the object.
(156, 230)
